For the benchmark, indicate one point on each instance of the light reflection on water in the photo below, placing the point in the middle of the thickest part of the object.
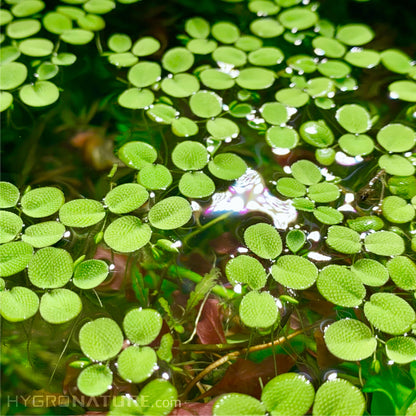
(249, 193)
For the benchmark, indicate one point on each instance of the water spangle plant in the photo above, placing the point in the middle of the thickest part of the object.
(260, 205)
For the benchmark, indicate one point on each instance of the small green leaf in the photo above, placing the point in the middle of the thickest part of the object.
(266, 28)
(245, 269)
(135, 98)
(95, 380)
(201, 46)
(44, 234)
(222, 128)
(403, 90)
(263, 240)
(144, 74)
(340, 286)
(39, 94)
(298, 18)
(23, 28)
(396, 61)
(155, 177)
(170, 213)
(256, 78)
(370, 272)
(295, 240)
(50, 268)
(137, 154)
(18, 304)
(292, 97)
(42, 202)
(323, 192)
(101, 339)
(14, 257)
(403, 186)
(384, 243)
(205, 104)
(366, 223)
(288, 394)
(294, 272)
(338, 397)
(334, 69)
(177, 60)
(142, 326)
(290, 187)
(306, 172)
(196, 185)
(403, 272)
(355, 34)
(397, 210)
(127, 234)
(6, 100)
(268, 56)
(284, 137)
(353, 118)
(356, 145)
(320, 87)
(396, 165)
(27, 8)
(215, 79)
(258, 310)
(126, 198)
(316, 133)
(165, 349)
(180, 85)
(328, 215)
(396, 137)
(146, 46)
(119, 42)
(162, 113)
(122, 60)
(402, 350)
(136, 364)
(275, 113)
(184, 127)
(343, 239)
(10, 226)
(363, 58)
(189, 155)
(56, 23)
(225, 32)
(238, 404)
(230, 56)
(326, 46)
(36, 47)
(389, 313)
(90, 273)
(59, 306)
(81, 213)
(227, 166)
(197, 27)
(77, 36)
(64, 59)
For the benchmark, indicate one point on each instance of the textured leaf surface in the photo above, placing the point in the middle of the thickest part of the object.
(136, 364)
(258, 310)
(127, 234)
(389, 313)
(294, 272)
(402, 350)
(340, 286)
(44, 234)
(10, 226)
(9, 195)
(18, 304)
(350, 340)
(263, 239)
(371, 272)
(343, 239)
(227, 166)
(81, 213)
(126, 198)
(238, 404)
(384, 243)
(288, 394)
(403, 272)
(50, 268)
(90, 273)
(42, 202)
(59, 306)
(170, 213)
(14, 257)
(95, 380)
(338, 397)
(137, 154)
(101, 339)
(142, 326)
(190, 155)
(246, 269)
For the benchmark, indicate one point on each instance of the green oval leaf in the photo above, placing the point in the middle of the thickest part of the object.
(81, 213)
(155, 177)
(306, 172)
(403, 272)
(343, 239)
(258, 310)
(90, 273)
(39, 94)
(127, 234)
(227, 166)
(396, 137)
(9, 195)
(50, 268)
(10, 226)
(353, 118)
(316, 133)
(42, 202)
(263, 239)
(196, 185)
(245, 269)
(142, 326)
(389, 313)
(189, 155)
(238, 404)
(14, 257)
(101, 339)
(170, 213)
(18, 304)
(384, 243)
(95, 380)
(401, 350)
(12, 75)
(59, 306)
(370, 272)
(294, 272)
(44, 234)
(136, 364)
(137, 154)
(126, 198)
(205, 104)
